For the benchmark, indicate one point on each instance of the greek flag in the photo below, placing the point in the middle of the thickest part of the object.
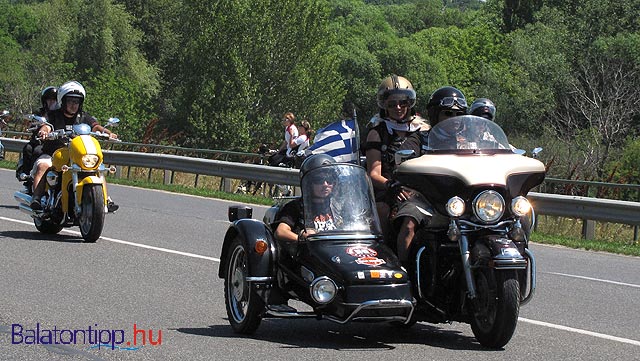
(338, 139)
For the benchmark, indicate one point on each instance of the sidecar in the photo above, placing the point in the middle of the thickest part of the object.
(341, 273)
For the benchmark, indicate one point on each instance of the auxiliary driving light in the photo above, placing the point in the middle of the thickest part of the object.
(455, 206)
(520, 206)
(323, 290)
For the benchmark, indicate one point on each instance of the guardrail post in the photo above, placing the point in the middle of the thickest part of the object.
(227, 185)
(588, 229)
(167, 177)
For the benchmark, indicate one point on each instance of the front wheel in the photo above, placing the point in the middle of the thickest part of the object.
(46, 227)
(92, 213)
(495, 311)
(244, 306)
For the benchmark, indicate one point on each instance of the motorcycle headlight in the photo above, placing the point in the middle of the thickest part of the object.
(323, 290)
(455, 206)
(520, 206)
(90, 160)
(488, 206)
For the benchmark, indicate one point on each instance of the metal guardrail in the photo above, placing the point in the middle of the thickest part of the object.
(585, 208)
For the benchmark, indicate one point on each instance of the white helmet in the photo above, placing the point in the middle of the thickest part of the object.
(71, 89)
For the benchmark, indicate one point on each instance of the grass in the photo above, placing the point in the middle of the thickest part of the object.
(613, 238)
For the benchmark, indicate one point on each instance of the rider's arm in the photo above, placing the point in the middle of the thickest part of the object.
(44, 130)
(374, 160)
(284, 233)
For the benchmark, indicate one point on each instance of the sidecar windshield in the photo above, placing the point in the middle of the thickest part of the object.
(338, 198)
(467, 133)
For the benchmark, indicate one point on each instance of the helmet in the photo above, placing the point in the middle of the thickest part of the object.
(315, 161)
(49, 92)
(483, 107)
(71, 89)
(444, 98)
(395, 85)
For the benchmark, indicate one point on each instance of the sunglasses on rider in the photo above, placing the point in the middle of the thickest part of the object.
(319, 180)
(448, 102)
(452, 113)
(394, 103)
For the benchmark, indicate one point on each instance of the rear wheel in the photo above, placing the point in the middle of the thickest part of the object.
(92, 213)
(244, 306)
(495, 312)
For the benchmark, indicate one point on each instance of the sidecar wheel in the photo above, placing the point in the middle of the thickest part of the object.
(244, 306)
(495, 312)
(46, 227)
(92, 213)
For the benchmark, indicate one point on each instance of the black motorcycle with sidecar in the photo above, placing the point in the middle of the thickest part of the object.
(343, 273)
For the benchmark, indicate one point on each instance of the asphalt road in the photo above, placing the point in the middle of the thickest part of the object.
(155, 272)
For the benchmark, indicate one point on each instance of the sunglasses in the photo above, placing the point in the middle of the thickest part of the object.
(394, 103)
(451, 113)
(448, 102)
(322, 180)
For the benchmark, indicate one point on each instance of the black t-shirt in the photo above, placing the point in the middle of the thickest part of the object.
(291, 215)
(60, 121)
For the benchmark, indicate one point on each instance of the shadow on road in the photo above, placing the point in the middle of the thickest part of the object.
(356, 336)
(21, 236)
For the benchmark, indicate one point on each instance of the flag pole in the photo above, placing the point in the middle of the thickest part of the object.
(355, 120)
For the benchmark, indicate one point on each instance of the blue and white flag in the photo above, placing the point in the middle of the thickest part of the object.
(338, 139)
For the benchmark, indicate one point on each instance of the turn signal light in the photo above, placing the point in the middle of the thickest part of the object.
(261, 247)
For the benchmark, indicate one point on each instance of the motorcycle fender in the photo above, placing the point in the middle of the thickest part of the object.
(90, 180)
(250, 231)
(505, 254)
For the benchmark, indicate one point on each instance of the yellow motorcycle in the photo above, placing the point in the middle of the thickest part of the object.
(76, 188)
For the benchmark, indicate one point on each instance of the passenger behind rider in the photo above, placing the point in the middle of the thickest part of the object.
(395, 127)
(32, 150)
(413, 210)
(290, 225)
(71, 97)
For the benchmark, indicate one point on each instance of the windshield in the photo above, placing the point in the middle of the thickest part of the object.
(467, 132)
(338, 198)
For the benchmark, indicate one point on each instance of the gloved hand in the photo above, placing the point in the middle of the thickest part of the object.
(396, 191)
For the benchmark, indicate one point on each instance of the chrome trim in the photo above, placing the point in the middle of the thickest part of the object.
(511, 263)
(377, 304)
(342, 237)
(532, 280)
(466, 265)
(418, 255)
(259, 279)
(487, 226)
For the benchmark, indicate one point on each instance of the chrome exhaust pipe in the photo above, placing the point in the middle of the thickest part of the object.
(26, 209)
(22, 198)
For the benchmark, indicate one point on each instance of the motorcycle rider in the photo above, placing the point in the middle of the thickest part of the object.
(483, 107)
(290, 225)
(395, 127)
(32, 150)
(71, 97)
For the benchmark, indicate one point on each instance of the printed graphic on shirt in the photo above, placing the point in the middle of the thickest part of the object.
(324, 222)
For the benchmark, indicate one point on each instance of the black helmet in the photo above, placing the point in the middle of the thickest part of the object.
(315, 161)
(445, 98)
(483, 107)
(49, 92)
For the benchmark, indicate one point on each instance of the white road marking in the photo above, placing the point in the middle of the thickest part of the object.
(167, 250)
(526, 320)
(594, 279)
(583, 332)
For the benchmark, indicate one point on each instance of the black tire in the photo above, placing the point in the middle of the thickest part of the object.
(495, 314)
(244, 306)
(91, 217)
(47, 227)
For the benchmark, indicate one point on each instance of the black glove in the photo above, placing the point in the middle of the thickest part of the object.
(393, 187)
